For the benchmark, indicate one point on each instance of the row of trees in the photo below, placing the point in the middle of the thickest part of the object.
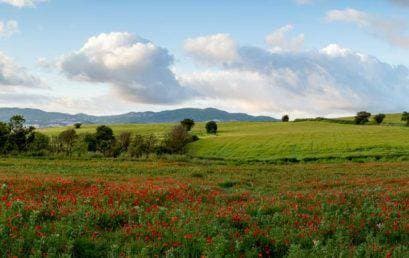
(16, 138)
(363, 118)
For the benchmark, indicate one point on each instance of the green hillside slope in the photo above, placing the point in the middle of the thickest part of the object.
(266, 141)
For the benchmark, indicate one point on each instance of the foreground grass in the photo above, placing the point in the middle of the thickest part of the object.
(98, 208)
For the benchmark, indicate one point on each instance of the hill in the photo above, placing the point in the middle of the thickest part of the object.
(46, 119)
(274, 142)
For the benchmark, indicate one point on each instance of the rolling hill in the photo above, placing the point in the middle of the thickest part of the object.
(41, 118)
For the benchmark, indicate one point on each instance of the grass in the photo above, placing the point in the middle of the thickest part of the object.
(285, 142)
(110, 208)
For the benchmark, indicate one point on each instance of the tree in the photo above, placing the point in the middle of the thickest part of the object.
(405, 117)
(211, 127)
(91, 142)
(4, 135)
(20, 136)
(285, 118)
(124, 140)
(142, 145)
(67, 139)
(187, 124)
(77, 125)
(362, 118)
(379, 118)
(105, 140)
(177, 139)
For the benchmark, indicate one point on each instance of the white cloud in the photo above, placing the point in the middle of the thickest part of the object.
(279, 40)
(8, 28)
(138, 70)
(333, 80)
(22, 3)
(12, 75)
(214, 49)
(395, 32)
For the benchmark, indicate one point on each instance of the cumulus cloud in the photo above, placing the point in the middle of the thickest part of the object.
(8, 28)
(213, 49)
(395, 32)
(137, 69)
(13, 75)
(280, 40)
(333, 80)
(22, 3)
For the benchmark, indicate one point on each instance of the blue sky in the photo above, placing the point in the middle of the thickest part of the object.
(51, 30)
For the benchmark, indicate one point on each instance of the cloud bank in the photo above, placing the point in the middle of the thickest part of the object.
(138, 70)
(333, 80)
(280, 78)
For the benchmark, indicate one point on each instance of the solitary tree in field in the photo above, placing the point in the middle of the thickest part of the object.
(77, 125)
(405, 117)
(362, 118)
(285, 118)
(379, 118)
(187, 124)
(211, 127)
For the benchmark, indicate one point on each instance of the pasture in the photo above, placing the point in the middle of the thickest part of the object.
(106, 207)
(281, 142)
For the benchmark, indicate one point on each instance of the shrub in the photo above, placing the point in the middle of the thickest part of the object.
(187, 124)
(77, 125)
(142, 145)
(91, 142)
(405, 117)
(67, 140)
(362, 118)
(41, 142)
(285, 118)
(211, 127)
(4, 134)
(379, 118)
(175, 141)
(124, 140)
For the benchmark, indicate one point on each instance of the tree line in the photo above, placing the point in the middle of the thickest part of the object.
(17, 138)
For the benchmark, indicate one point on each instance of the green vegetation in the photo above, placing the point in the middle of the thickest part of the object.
(112, 208)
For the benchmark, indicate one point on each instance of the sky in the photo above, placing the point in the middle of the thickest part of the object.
(305, 58)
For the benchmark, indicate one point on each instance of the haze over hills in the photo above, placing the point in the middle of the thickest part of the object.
(42, 118)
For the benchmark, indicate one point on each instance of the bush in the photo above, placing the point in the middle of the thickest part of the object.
(187, 124)
(405, 117)
(142, 145)
(67, 140)
(4, 135)
(211, 127)
(285, 118)
(176, 140)
(124, 140)
(77, 125)
(379, 118)
(91, 142)
(41, 142)
(362, 118)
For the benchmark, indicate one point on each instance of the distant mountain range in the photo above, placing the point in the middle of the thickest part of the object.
(40, 118)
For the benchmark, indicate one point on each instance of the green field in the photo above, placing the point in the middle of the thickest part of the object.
(117, 208)
(301, 141)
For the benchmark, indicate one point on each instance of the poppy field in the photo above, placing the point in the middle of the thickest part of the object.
(108, 208)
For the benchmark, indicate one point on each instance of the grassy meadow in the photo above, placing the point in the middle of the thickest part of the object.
(114, 208)
(282, 142)
(230, 196)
